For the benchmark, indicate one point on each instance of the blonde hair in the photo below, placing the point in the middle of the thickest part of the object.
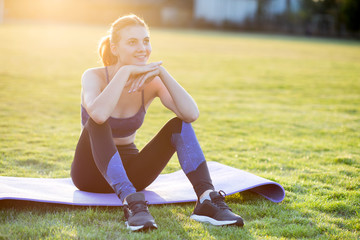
(114, 37)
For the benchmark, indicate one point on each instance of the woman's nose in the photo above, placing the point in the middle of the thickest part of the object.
(141, 47)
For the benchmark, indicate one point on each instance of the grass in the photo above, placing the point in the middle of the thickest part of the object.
(284, 108)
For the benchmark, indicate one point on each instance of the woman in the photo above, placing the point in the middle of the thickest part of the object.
(114, 102)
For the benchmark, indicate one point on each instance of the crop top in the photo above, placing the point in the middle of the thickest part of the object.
(121, 127)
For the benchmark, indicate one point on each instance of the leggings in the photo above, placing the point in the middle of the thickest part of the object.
(100, 166)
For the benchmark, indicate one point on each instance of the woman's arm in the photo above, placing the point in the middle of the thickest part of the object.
(101, 103)
(175, 97)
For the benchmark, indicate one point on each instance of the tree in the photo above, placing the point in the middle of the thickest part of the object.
(344, 12)
(350, 14)
(261, 12)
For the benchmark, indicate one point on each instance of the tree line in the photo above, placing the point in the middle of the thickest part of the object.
(318, 17)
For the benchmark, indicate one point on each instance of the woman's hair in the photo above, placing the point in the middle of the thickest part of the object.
(104, 47)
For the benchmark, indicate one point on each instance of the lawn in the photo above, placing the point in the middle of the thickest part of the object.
(284, 108)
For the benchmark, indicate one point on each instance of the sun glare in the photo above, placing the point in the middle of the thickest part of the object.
(89, 11)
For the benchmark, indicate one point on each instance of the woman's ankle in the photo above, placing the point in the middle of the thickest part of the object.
(205, 195)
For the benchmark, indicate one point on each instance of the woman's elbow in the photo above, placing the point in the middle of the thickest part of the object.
(98, 118)
(192, 118)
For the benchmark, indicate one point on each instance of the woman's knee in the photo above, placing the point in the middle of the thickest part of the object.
(174, 124)
(98, 130)
(90, 182)
(77, 180)
(91, 124)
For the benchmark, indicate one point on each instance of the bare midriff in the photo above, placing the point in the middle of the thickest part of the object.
(124, 140)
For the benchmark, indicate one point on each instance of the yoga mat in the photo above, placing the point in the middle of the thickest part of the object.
(167, 188)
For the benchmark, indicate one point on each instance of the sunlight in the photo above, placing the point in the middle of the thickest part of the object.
(89, 11)
(1, 11)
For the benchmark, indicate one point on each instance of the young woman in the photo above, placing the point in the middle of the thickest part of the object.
(114, 102)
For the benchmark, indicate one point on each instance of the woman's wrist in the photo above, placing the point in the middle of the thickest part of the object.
(162, 72)
(124, 73)
(124, 70)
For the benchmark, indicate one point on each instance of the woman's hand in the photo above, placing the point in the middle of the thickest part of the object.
(139, 83)
(136, 70)
(141, 75)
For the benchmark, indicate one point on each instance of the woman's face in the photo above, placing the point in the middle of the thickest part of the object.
(134, 46)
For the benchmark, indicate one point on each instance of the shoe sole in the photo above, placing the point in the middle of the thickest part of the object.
(215, 222)
(145, 227)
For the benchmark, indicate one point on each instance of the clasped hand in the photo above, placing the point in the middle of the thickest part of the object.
(142, 75)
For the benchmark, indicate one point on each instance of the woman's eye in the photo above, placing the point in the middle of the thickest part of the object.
(146, 41)
(132, 42)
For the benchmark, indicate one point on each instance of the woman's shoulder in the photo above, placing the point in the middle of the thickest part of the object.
(99, 72)
(96, 75)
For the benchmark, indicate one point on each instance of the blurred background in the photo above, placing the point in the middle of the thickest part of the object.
(326, 18)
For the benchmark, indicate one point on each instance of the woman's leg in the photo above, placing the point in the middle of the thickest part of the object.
(97, 166)
(104, 155)
(177, 136)
(84, 172)
(192, 159)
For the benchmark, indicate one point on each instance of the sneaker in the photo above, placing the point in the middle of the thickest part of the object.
(215, 211)
(137, 213)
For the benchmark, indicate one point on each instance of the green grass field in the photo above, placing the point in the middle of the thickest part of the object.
(284, 108)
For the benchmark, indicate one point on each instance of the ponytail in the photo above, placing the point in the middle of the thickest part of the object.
(105, 52)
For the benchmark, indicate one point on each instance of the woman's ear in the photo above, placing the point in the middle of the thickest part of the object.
(113, 49)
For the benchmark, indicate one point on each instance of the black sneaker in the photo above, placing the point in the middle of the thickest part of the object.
(137, 213)
(215, 211)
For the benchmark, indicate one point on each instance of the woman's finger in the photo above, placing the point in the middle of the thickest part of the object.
(146, 82)
(130, 81)
(138, 82)
(132, 86)
(148, 77)
(151, 66)
(141, 79)
(136, 69)
(144, 69)
(155, 63)
(141, 83)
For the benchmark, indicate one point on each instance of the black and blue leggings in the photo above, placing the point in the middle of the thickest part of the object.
(100, 166)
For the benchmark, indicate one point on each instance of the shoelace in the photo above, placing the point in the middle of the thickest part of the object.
(138, 206)
(219, 200)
